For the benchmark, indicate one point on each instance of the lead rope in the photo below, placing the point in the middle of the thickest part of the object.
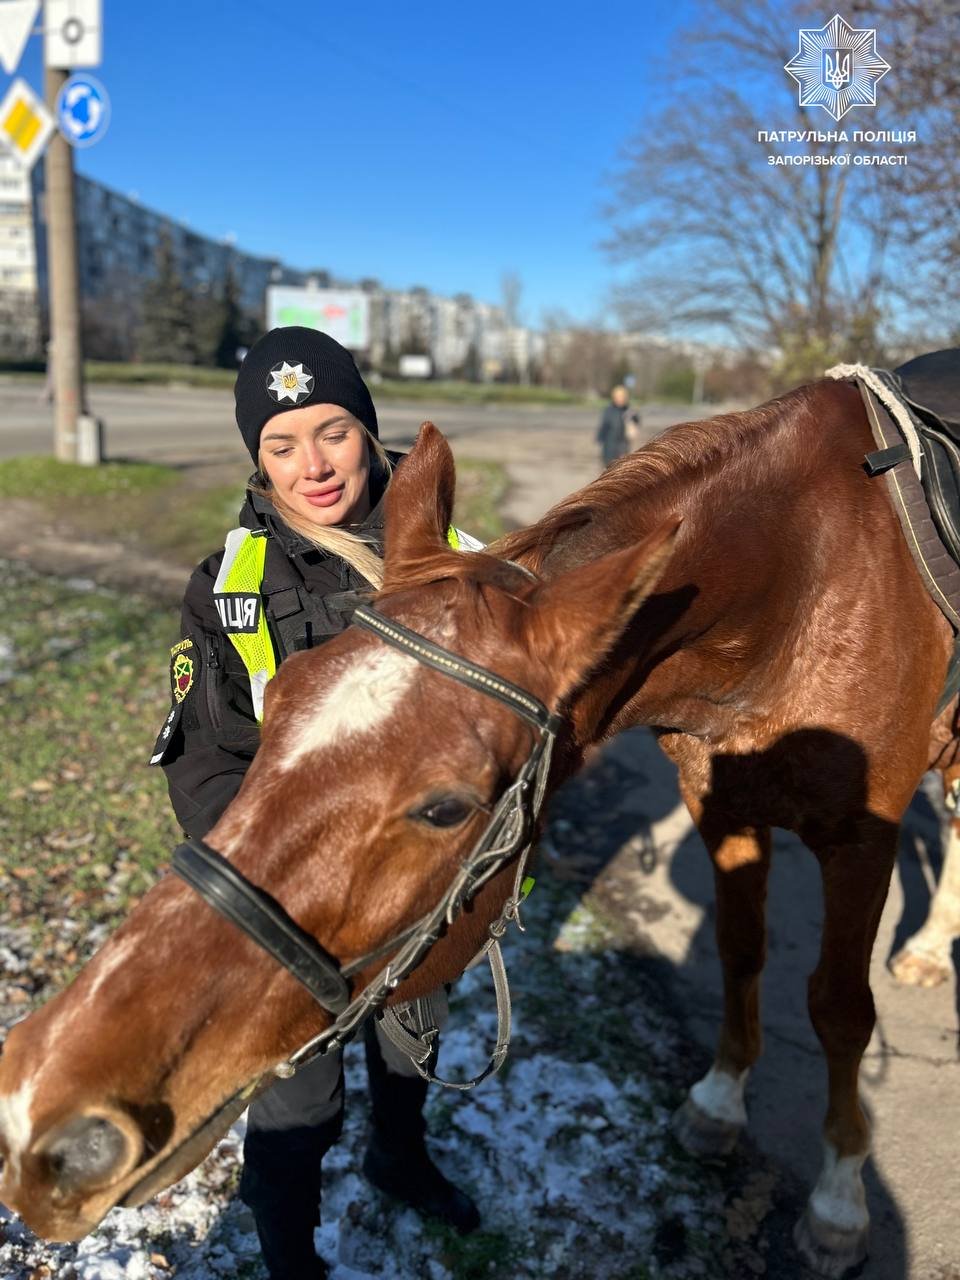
(421, 1041)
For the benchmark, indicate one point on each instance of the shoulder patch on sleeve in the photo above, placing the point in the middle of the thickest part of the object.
(184, 668)
(184, 673)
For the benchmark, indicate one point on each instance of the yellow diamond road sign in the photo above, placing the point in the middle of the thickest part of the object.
(25, 123)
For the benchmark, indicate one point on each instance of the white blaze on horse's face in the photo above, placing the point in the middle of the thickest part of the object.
(15, 1125)
(366, 693)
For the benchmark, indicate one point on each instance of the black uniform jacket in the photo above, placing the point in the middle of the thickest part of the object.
(211, 735)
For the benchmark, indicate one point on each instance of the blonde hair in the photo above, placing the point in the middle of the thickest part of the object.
(352, 547)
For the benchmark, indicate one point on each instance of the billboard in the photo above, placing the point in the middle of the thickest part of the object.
(343, 313)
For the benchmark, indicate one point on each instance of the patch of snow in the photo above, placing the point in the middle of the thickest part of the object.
(567, 1163)
(16, 950)
(7, 653)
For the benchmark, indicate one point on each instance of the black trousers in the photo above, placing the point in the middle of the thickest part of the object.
(292, 1126)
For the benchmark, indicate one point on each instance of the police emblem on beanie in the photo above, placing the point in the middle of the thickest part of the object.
(293, 382)
(290, 367)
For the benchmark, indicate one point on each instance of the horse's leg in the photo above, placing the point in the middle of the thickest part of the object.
(925, 959)
(710, 1120)
(832, 1234)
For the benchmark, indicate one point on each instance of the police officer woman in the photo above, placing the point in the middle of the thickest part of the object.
(311, 539)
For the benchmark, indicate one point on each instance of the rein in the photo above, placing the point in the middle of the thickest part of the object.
(507, 833)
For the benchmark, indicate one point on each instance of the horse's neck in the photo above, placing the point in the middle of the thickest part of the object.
(705, 633)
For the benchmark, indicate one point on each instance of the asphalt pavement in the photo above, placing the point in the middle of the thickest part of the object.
(177, 425)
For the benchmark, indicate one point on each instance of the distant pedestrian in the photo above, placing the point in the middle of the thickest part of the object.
(619, 429)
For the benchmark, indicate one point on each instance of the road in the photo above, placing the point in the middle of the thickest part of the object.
(184, 425)
(189, 424)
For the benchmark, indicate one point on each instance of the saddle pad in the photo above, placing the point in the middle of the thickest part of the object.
(937, 567)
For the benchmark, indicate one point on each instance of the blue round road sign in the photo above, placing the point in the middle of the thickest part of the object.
(83, 110)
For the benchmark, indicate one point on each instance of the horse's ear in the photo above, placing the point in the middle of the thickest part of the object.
(577, 618)
(420, 502)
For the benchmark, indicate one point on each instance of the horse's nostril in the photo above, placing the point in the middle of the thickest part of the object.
(86, 1151)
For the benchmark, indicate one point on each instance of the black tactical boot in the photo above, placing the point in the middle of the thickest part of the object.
(280, 1184)
(397, 1161)
(286, 1242)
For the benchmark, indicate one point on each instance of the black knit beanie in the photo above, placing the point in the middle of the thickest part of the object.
(292, 367)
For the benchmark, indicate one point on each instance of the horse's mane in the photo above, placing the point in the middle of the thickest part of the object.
(466, 568)
(685, 453)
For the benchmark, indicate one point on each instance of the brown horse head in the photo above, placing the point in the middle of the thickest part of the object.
(372, 782)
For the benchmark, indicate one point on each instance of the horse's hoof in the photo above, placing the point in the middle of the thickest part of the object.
(916, 968)
(703, 1135)
(828, 1250)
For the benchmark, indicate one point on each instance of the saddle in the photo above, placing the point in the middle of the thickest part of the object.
(914, 414)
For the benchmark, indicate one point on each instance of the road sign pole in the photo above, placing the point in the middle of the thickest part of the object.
(66, 351)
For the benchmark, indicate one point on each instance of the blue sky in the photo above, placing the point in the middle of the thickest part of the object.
(435, 144)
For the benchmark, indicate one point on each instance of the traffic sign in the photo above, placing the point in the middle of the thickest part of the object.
(73, 31)
(25, 123)
(83, 110)
(16, 20)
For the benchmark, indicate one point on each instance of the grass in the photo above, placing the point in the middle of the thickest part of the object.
(85, 824)
(474, 1257)
(164, 512)
(481, 488)
(476, 392)
(151, 509)
(48, 480)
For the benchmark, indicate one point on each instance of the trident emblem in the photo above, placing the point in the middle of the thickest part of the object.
(836, 69)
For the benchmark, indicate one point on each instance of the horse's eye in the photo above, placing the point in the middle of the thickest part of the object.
(448, 812)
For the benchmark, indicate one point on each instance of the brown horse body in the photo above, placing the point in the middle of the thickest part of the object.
(790, 662)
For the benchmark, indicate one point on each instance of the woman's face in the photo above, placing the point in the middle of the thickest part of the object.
(318, 461)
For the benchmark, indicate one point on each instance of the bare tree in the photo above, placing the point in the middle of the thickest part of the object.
(924, 42)
(811, 261)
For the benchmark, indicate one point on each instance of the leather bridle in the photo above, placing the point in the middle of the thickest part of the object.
(506, 835)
